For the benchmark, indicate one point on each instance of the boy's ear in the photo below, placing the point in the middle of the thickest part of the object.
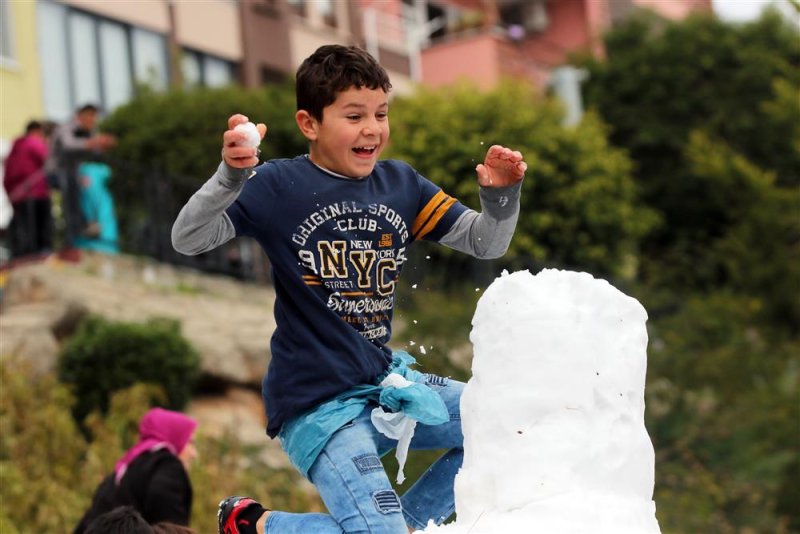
(307, 124)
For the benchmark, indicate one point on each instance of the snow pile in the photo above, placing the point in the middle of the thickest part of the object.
(553, 415)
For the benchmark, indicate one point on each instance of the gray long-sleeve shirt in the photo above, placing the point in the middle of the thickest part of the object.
(203, 225)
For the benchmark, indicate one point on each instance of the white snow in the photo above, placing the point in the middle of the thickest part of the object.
(250, 130)
(553, 416)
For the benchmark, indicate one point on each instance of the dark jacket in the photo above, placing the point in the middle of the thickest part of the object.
(156, 484)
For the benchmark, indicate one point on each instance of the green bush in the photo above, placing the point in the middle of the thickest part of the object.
(49, 469)
(578, 205)
(104, 357)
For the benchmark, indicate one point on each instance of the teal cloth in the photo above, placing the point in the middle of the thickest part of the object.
(97, 206)
(304, 437)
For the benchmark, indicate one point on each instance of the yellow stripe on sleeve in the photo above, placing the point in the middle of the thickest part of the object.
(426, 212)
(436, 217)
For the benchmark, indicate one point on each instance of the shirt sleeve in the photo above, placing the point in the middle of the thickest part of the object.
(436, 213)
(488, 234)
(202, 223)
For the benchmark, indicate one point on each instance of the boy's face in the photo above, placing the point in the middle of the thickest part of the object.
(352, 134)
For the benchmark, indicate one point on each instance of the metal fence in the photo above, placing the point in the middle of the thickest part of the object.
(147, 201)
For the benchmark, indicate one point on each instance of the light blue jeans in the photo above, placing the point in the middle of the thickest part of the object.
(356, 490)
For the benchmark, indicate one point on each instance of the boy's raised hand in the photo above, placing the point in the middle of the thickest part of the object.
(501, 167)
(234, 150)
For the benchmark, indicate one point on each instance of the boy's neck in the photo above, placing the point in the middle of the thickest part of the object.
(320, 167)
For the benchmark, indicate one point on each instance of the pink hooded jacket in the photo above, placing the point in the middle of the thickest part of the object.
(158, 429)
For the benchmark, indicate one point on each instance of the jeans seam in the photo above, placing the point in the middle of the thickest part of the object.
(347, 487)
(413, 521)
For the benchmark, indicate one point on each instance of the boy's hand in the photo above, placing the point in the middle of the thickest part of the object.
(501, 167)
(240, 157)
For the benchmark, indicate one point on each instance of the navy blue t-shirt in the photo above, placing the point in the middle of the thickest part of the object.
(337, 247)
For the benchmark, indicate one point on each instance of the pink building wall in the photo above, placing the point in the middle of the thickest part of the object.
(476, 58)
(676, 9)
(575, 25)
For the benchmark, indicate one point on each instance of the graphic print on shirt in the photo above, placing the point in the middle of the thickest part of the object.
(356, 252)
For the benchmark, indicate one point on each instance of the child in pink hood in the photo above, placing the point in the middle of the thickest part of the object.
(152, 476)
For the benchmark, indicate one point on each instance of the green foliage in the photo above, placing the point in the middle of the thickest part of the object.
(709, 112)
(175, 139)
(722, 412)
(664, 79)
(103, 357)
(578, 201)
(49, 471)
(39, 441)
(180, 133)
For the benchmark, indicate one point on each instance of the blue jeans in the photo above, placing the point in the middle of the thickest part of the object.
(356, 490)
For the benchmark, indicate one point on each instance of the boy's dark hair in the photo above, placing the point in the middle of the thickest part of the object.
(333, 69)
(120, 520)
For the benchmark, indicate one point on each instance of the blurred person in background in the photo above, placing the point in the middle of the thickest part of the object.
(120, 520)
(152, 476)
(72, 144)
(97, 208)
(31, 228)
(171, 528)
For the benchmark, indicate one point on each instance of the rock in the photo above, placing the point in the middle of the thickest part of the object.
(238, 413)
(228, 322)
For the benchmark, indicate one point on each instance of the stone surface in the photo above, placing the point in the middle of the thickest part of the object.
(228, 322)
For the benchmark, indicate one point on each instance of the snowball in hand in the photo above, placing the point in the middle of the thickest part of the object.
(250, 130)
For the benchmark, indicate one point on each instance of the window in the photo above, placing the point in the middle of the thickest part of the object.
(299, 6)
(114, 64)
(8, 54)
(58, 103)
(325, 9)
(202, 70)
(192, 70)
(217, 72)
(86, 58)
(83, 58)
(150, 60)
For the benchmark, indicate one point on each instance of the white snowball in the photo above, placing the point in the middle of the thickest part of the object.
(253, 137)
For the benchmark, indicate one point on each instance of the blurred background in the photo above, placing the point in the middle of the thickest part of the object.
(663, 142)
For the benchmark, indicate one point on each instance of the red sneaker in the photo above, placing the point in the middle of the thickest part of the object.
(230, 512)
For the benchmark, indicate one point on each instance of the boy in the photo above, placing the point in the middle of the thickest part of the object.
(336, 225)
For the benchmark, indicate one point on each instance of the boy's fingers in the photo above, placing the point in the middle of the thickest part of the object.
(262, 129)
(237, 119)
(241, 157)
(232, 138)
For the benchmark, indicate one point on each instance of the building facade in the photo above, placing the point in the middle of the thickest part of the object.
(59, 54)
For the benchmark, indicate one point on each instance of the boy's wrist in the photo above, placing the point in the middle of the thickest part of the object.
(500, 202)
(233, 177)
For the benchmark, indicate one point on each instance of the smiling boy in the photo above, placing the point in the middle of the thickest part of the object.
(336, 225)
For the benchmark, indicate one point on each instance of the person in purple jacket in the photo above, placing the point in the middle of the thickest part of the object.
(337, 224)
(25, 182)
